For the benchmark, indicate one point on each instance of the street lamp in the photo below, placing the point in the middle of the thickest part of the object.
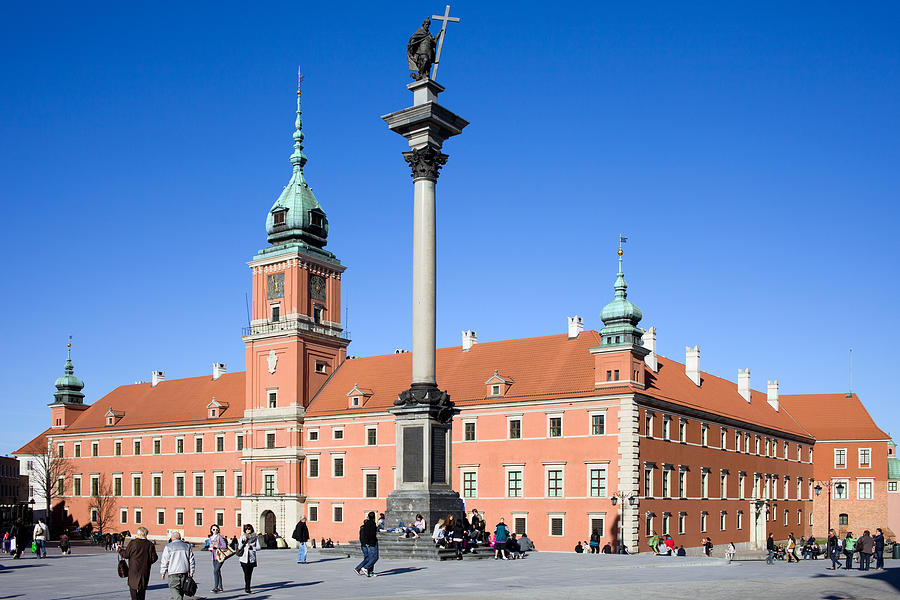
(838, 487)
(631, 499)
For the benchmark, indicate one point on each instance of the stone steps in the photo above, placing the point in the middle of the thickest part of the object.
(391, 546)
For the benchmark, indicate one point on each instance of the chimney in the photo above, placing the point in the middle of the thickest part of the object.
(744, 383)
(218, 370)
(649, 339)
(157, 377)
(469, 339)
(576, 326)
(692, 364)
(772, 395)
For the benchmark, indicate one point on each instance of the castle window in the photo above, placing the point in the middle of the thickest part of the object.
(616, 375)
(515, 428)
(270, 440)
(321, 366)
(371, 436)
(337, 433)
(495, 390)
(220, 443)
(276, 313)
(598, 424)
(469, 431)
(554, 426)
(272, 398)
(278, 217)
(315, 219)
(239, 442)
(270, 485)
(317, 314)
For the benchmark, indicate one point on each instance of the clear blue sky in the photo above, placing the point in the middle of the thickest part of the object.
(748, 150)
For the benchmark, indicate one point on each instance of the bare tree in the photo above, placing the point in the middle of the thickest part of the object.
(103, 502)
(48, 468)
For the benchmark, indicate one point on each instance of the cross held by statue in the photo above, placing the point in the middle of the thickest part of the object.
(446, 18)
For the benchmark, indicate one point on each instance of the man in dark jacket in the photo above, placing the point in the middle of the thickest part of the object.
(141, 553)
(833, 550)
(866, 546)
(301, 534)
(368, 542)
(770, 547)
(879, 549)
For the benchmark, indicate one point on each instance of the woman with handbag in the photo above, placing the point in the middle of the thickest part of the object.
(248, 546)
(141, 553)
(217, 546)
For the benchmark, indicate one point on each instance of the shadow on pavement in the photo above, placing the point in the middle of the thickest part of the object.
(891, 576)
(398, 571)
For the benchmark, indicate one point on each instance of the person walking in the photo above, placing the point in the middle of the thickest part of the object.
(770, 548)
(730, 552)
(216, 542)
(879, 549)
(866, 546)
(501, 532)
(792, 549)
(368, 543)
(140, 554)
(248, 546)
(831, 547)
(177, 564)
(849, 545)
(39, 535)
(594, 542)
(301, 534)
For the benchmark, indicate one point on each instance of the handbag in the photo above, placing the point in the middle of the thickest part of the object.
(223, 555)
(189, 587)
(34, 547)
(123, 568)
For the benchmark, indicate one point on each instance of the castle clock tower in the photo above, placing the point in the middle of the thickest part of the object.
(294, 342)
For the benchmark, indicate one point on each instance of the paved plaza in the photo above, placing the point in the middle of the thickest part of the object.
(89, 574)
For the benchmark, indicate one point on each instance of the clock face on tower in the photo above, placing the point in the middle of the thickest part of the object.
(317, 287)
(275, 286)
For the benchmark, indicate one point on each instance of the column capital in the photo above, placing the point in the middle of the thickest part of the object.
(426, 162)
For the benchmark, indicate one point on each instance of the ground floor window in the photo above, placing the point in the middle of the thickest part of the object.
(338, 513)
(682, 522)
(556, 526)
(123, 516)
(179, 517)
(520, 523)
(740, 519)
(313, 512)
(160, 517)
(843, 519)
(470, 484)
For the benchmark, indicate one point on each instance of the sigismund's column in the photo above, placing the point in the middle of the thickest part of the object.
(423, 413)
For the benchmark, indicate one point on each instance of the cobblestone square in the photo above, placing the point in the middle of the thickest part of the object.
(88, 575)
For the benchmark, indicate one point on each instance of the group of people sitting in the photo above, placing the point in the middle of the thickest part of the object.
(469, 534)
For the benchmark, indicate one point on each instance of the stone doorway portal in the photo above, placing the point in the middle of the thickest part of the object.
(267, 522)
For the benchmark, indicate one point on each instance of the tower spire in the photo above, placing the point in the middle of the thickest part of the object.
(620, 317)
(298, 158)
(68, 387)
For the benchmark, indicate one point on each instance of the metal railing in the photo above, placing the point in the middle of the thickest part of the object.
(295, 325)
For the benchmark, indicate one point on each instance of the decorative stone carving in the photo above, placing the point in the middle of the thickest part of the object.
(272, 359)
(437, 400)
(425, 162)
(420, 51)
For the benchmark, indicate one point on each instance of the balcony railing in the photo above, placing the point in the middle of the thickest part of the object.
(295, 325)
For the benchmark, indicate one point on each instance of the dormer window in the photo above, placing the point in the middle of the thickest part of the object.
(497, 385)
(317, 219)
(113, 417)
(216, 408)
(279, 215)
(357, 396)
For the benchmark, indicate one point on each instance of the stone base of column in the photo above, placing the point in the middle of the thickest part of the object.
(434, 505)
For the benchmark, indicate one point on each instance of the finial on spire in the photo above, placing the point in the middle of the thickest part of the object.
(621, 287)
(70, 368)
(298, 158)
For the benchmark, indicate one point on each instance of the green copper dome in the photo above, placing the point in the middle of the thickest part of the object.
(296, 219)
(68, 387)
(620, 317)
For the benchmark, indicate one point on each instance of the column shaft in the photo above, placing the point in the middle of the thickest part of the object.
(424, 282)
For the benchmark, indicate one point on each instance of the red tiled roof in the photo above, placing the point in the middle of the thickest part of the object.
(549, 366)
(718, 396)
(36, 446)
(542, 368)
(171, 402)
(833, 416)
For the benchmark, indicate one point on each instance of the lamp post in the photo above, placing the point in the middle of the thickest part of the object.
(838, 487)
(623, 497)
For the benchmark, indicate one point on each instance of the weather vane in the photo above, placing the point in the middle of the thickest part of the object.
(299, 80)
(622, 240)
